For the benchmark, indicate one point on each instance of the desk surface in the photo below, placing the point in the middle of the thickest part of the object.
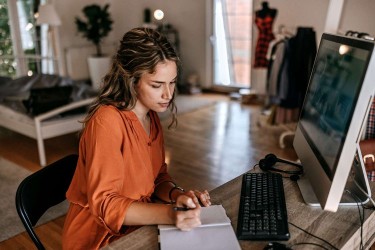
(341, 229)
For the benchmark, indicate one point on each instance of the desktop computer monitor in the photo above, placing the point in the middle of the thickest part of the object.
(333, 116)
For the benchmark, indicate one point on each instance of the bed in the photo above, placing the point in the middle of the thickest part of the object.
(58, 121)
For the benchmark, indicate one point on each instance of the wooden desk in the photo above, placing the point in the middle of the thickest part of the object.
(341, 229)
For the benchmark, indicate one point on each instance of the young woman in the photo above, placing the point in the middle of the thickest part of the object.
(121, 168)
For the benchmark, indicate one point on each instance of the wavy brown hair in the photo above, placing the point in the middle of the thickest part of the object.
(140, 50)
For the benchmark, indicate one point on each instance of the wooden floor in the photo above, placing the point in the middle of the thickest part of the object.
(211, 146)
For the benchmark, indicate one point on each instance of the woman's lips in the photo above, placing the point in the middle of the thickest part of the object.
(164, 105)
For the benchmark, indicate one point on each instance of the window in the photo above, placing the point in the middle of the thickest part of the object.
(232, 46)
(24, 46)
(7, 62)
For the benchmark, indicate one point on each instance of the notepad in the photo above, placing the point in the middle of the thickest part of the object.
(216, 232)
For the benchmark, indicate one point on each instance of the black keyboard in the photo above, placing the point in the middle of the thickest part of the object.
(262, 214)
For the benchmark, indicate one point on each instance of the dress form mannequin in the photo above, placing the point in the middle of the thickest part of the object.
(266, 11)
(264, 19)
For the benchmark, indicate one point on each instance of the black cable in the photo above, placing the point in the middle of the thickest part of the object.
(303, 230)
(293, 177)
(309, 243)
(255, 166)
(368, 207)
(361, 216)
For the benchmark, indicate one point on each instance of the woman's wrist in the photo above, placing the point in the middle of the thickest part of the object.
(172, 193)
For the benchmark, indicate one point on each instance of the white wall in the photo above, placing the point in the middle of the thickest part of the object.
(358, 15)
(68, 10)
(189, 18)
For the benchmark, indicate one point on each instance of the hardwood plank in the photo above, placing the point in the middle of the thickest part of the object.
(211, 146)
(23, 150)
(215, 144)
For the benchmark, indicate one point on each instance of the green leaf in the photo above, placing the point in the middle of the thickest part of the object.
(97, 24)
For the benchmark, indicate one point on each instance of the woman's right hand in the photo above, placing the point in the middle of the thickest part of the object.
(187, 220)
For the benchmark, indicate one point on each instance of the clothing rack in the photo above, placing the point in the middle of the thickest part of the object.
(288, 74)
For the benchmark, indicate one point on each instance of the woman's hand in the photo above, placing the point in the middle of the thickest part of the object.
(201, 197)
(204, 197)
(189, 219)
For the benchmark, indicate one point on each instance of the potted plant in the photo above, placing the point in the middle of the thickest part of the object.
(95, 28)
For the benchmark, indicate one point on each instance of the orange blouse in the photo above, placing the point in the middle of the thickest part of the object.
(118, 164)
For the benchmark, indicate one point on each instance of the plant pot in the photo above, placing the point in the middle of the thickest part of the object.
(98, 67)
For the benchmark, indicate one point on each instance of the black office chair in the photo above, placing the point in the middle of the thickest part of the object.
(42, 190)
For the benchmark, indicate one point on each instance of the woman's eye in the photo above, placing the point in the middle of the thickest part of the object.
(156, 86)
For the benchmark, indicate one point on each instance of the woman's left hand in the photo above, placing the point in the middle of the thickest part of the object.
(203, 197)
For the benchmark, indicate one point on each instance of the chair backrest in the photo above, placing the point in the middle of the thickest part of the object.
(42, 190)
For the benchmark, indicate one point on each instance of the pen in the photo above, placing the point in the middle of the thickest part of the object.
(181, 208)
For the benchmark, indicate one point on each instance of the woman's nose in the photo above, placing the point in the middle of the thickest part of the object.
(167, 92)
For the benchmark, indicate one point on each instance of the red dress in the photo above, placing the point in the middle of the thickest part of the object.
(265, 36)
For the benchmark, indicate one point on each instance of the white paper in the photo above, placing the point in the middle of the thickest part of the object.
(210, 216)
(215, 233)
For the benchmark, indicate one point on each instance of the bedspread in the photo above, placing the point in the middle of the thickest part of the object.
(59, 121)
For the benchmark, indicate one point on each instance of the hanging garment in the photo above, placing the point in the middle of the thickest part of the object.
(370, 133)
(370, 128)
(289, 72)
(305, 44)
(287, 91)
(300, 55)
(275, 64)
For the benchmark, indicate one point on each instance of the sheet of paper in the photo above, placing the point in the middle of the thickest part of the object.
(216, 232)
(210, 216)
(201, 238)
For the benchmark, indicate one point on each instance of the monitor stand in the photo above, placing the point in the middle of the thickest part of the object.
(357, 180)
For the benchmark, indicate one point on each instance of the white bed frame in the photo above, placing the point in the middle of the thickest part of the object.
(45, 125)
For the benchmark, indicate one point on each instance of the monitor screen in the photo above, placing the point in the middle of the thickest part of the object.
(333, 114)
(331, 99)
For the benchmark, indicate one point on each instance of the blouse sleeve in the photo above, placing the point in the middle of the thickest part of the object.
(163, 175)
(105, 170)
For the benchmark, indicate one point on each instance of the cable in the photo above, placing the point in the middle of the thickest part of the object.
(367, 207)
(303, 230)
(360, 203)
(361, 216)
(364, 192)
(361, 189)
(309, 243)
(255, 166)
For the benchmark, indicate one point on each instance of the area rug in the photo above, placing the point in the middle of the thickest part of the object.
(11, 176)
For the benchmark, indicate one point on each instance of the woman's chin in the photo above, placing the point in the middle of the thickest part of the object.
(160, 109)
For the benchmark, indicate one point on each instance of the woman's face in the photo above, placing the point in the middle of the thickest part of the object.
(155, 91)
